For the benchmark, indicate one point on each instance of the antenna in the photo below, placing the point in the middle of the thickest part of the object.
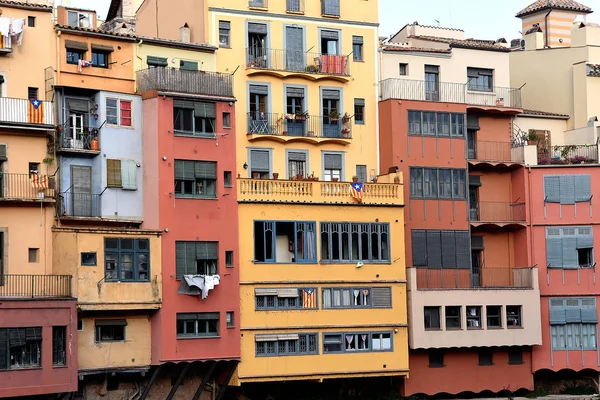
(438, 22)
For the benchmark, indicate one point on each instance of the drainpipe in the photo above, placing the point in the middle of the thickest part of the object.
(530, 225)
(546, 27)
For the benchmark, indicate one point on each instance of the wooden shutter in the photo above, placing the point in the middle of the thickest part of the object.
(585, 239)
(361, 173)
(113, 173)
(582, 188)
(205, 169)
(448, 249)
(259, 89)
(567, 189)
(3, 152)
(472, 122)
(254, 27)
(573, 315)
(224, 25)
(569, 251)
(188, 65)
(330, 7)
(128, 170)
(381, 297)
(180, 259)
(205, 110)
(463, 249)
(333, 161)
(434, 250)
(207, 250)
(294, 92)
(183, 104)
(357, 40)
(419, 248)
(589, 315)
(554, 256)
(3, 349)
(558, 316)
(294, 44)
(259, 161)
(331, 94)
(157, 61)
(552, 188)
(81, 190)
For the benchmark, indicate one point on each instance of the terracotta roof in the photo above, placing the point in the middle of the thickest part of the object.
(113, 9)
(541, 5)
(41, 7)
(594, 70)
(177, 43)
(415, 49)
(94, 31)
(474, 44)
(543, 114)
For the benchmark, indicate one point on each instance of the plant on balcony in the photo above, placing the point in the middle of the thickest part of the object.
(301, 116)
(275, 175)
(334, 116)
(312, 68)
(532, 137)
(345, 132)
(397, 179)
(581, 160)
(543, 161)
(335, 179)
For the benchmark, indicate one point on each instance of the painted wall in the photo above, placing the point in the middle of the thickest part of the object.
(557, 127)
(44, 314)
(134, 351)
(157, 18)
(38, 44)
(556, 26)
(191, 220)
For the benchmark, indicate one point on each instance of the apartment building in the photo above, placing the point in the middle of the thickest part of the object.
(446, 122)
(322, 277)
(38, 340)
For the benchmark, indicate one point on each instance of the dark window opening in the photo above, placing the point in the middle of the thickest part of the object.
(31, 21)
(513, 316)
(494, 316)
(432, 317)
(473, 317)
(59, 345)
(299, 239)
(198, 325)
(436, 359)
(453, 317)
(32, 93)
(486, 357)
(100, 59)
(229, 258)
(584, 257)
(515, 356)
(73, 56)
(88, 259)
(110, 333)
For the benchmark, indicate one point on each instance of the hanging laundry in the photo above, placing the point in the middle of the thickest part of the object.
(4, 26)
(198, 284)
(83, 63)
(16, 30)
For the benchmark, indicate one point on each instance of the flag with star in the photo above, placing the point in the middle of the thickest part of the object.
(309, 298)
(356, 190)
(35, 114)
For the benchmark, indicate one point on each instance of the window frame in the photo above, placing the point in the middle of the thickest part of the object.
(197, 334)
(358, 49)
(476, 317)
(71, 53)
(328, 173)
(59, 360)
(196, 181)
(518, 316)
(30, 346)
(31, 21)
(196, 268)
(416, 124)
(403, 67)
(421, 181)
(118, 109)
(359, 110)
(179, 113)
(229, 259)
(457, 318)
(515, 356)
(88, 15)
(351, 228)
(473, 75)
(498, 316)
(98, 333)
(277, 352)
(225, 32)
(136, 251)
(427, 317)
(271, 226)
(370, 337)
(436, 359)
(226, 120)
(276, 305)
(485, 357)
(351, 289)
(105, 55)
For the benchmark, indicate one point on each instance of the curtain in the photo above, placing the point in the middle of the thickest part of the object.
(326, 298)
(311, 253)
(337, 298)
(346, 297)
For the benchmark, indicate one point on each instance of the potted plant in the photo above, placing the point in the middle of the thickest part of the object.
(300, 177)
(345, 132)
(397, 179)
(355, 179)
(300, 116)
(255, 175)
(334, 116)
(312, 68)
(335, 179)
(275, 175)
(532, 137)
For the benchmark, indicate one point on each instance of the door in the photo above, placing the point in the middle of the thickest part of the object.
(81, 191)
(294, 46)
(471, 144)
(432, 83)
(76, 132)
(295, 109)
(475, 268)
(473, 203)
(331, 113)
(258, 120)
(258, 56)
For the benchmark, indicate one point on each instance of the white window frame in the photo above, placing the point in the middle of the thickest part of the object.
(118, 100)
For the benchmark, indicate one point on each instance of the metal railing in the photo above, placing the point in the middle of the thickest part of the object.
(5, 44)
(304, 126)
(451, 278)
(495, 211)
(21, 111)
(490, 151)
(258, 3)
(26, 186)
(191, 82)
(86, 139)
(569, 154)
(297, 61)
(448, 92)
(72, 204)
(294, 6)
(35, 286)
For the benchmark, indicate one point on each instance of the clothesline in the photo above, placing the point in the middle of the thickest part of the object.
(12, 29)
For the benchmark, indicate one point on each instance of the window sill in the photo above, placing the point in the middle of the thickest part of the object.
(294, 12)
(286, 263)
(224, 47)
(258, 8)
(359, 123)
(198, 337)
(195, 135)
(195, 198)
(348, 308)
(495, 328)
(454, 329)
(474, 328)
(110, 341)
(514, 327)
(516, 363)
(58, 366)
(359, 61)
(228, 187)
(226, 127)
(330, 16)
(433, 329)
(436, 366)
(486, 365)
(21, 369)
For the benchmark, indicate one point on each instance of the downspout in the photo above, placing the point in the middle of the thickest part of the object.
(546, 27)
(530, 224)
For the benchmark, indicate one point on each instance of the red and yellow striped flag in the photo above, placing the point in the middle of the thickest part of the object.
(309, 298)
(35, 113)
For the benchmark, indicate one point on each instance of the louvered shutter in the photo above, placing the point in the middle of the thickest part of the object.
(381, 297)
(569, 252)
(113, 173)
(157, 61)
(567, 189)
(3, 152)
(357, 40)
(552, 188)
(207, 250)
(419, 248)
(448, 249)
(259, 89)
(178, 169)
(3, 349)
(582, 188)
(78, 105)
(331, 35)
(361, 173)
(253, 27)
(330, 7)
(558, 316)
(434, 249)
(554, 257)
(180, 259)
(296, 156)
(183, 104)
(333, 161)
(473, 122)
(190, 258)
(331, 94)
(294, 92)
(224, 25)
(259, 160)
(16, 337)
(205, 169)
(585, 241)
(189, 169)
(477, 243)
(128, 170)
(188, 65)
(463, 249)
(573, 315)
(589, 315)
(205, 110)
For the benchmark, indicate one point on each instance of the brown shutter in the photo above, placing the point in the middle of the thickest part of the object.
(113, 173)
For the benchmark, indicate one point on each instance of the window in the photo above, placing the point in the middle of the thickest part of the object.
(403, 69)
(59, 345)
(515, 356)
(359, 111)
(297, 163)
(80, 19)
(296, 6)
(229, 259)
(32, 93)
(299, 237)
(567, 189)
(74, 55)
(345, 242)
(513, 316)
(432, 317)
(427, 123)
(224, 33)
(195, 179)
(436, 359)
(357, 48)
(473, 317)
(286, 299)
(113, 173)
(196, 258)
(34, 168)
(438, 183)
(260, 164)
(330, 8)
(20, 348)
(194, 118)
(79, 323)
(31, 21)
(229, 319)
(494, 316)
(126, 259)
(480, 79)
(441, 249)
(226, 120)
(573, 323)
(347, 297)
(227, 179)
(121, 174)
(99, 59)
(118, 112)
(34, 255)
(197, 325)
(486, 357)
(188, 65)
(88, 259)
(110, 330)
(453, 317)
(354, 342)
(286, 344)
(361, 173)
(569, 247)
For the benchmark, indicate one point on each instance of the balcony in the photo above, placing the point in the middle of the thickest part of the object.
(307, 128)
(297, 63)
(83, 143)
(35, 286)
(315, 192)
(171, 80)
(22, 113)
(495, 153)
(568, 154)
(26, 188)
(5, 44)
(447, 92)
(79, 205)
(496, 212)
(488, 278)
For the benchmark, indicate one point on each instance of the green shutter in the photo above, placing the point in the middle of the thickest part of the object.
(157, 61)
(180, 266)
(188, 65)
(205, 169)
(207, 250)
(205, 110)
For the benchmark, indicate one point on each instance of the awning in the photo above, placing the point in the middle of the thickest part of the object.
(102, 47)
(75, 45)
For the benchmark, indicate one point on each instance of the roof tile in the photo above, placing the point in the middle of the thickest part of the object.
(543, 113)
(474, 44)
(540, 5)
(41, 7)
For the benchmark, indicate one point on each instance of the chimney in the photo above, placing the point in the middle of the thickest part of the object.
(502, 42)
(127, 10)
(184, 33)
(534, 38)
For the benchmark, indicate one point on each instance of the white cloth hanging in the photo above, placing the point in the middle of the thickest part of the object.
(4, 26)
(17, 30)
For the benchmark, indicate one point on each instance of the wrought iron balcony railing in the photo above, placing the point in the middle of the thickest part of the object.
(26, 186)
(35, 286)
(299, 125)
(86, 139)
(73, 204)
(297, 61)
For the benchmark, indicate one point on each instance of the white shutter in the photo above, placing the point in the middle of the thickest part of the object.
(128, 169)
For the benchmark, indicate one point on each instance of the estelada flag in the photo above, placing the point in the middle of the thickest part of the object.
(35, 113)
(356, 190)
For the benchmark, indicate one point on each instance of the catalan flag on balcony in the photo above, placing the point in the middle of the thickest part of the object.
(39, 182)
(356, 190)
(309, 298)
(35, 113)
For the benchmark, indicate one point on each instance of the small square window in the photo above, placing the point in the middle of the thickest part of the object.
(88, 259)
(32, 93)
(515, 356)
(226, 120)
(79, 324)
(34, 168)
(229, 259)
(403, 69)
(486, 357)
(359, 111)
(432, 317)
(473, 317)
(229, 318)
(436, 359)
(31, 21)
(34, 255)
(453, 317)
(494, 316)
(513, 317)
(227, 178)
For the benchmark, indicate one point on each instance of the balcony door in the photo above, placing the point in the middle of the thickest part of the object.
(296, 124)
(77, 118)
(294, 48)
(331, 113)
(432, 83)
(259, 122)
(258, 55)
(473, 203)
(471, 144)
(81, 191)
(476, 267)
